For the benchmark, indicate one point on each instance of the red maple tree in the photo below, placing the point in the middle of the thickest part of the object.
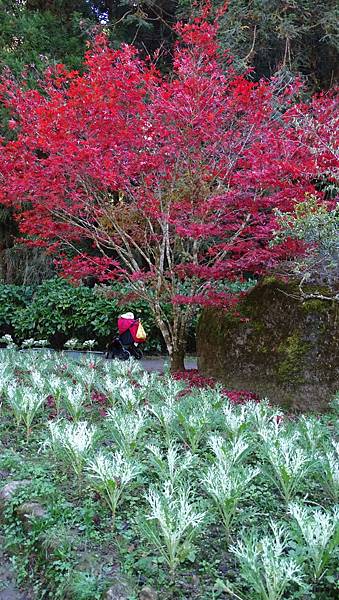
(173, 179)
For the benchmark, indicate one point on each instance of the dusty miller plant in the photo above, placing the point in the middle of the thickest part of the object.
(313, 434)
(329, 470)
(266, 566)
(74, 401)
(317, 533)
(71, 443)
(286, 464)
(165, 416)
(235, 421)
(126, 429)
(227, 483)
(111, 475)
(194, 421)
(231, 452)
(171, 523)
(56, 387)
(173, 464)
(25, 404)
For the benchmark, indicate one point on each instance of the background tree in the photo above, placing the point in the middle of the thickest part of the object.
(148, 25)
(318, 228)
(274, 35)
(34, 34)
(269, 35)
(312, 222)
(8, 229)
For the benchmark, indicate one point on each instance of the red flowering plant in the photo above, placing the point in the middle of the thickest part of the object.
(173, 180)
(195, 379)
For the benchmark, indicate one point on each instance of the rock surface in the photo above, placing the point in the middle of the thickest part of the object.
(30, 510)
(280, 347)
(118, 591)
(9, 489)
(148, 593)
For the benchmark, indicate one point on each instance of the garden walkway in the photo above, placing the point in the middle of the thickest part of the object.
(153, 364)
(149, 363)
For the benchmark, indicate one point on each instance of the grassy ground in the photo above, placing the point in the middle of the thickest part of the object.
(142, 480)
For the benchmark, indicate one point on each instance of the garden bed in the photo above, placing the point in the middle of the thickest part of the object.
(118, 483)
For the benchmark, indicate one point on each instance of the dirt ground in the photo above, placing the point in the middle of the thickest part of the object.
(8, 587)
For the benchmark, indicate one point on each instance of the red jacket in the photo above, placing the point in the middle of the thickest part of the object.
(132, 325)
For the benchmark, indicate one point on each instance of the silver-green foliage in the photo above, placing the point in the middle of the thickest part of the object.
(228, 480)
(328, 468)
(71, 443)
(110, 475)
(25, 403)
(126, 429)
(286, 463)
(172, 522)
(203, 460)
(266, 565)
(317, 532)
(172, 465)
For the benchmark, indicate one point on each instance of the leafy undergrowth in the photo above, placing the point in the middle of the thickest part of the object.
(163, 483)
(194, 379)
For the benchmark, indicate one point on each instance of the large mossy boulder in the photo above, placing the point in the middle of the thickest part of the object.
(281, 347)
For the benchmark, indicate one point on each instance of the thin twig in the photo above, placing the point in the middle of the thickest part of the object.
(253, 44)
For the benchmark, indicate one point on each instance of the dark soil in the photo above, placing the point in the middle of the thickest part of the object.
(8, 587)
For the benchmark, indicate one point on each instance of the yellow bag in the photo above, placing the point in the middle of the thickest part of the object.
(141, 333)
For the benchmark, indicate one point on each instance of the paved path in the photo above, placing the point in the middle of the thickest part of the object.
(157, 364)
(150, 363)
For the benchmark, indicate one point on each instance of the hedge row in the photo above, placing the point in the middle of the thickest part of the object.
(57, 311)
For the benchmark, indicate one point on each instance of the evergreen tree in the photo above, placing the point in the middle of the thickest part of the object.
(272, 35)
(37, 33)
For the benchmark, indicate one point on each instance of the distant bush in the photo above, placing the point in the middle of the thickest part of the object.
(58, 311)
(13, 299)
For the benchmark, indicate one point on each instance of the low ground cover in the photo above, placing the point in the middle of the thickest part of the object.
(133, 479)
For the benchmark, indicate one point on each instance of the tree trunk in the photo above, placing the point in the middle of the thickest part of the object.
(176, 352)
(177, 360)
(175, 340)
(2, 264)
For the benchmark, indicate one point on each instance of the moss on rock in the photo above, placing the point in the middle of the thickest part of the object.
(314, 305)
(291, 367)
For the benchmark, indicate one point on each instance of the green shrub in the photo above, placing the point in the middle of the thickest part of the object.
(13, 299)
(57, 311)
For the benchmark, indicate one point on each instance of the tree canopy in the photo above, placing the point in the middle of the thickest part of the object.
(174, 180)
